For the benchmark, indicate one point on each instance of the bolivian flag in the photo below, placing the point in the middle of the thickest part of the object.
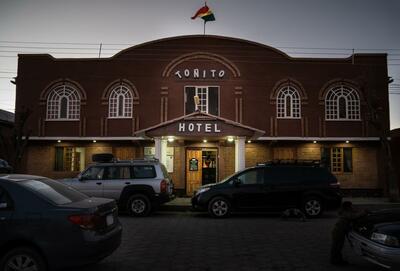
(205, 13)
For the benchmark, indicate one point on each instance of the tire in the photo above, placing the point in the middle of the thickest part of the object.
(139, 205)
(313, 206)
(219, 207)
(22, 257)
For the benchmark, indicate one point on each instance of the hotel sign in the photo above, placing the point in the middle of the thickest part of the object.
(200, 74)
(198, 127)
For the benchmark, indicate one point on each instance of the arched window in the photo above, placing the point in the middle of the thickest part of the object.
(120, 102)
(63, 103)
(342, 103)
(288, 103)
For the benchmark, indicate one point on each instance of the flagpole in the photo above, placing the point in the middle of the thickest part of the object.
(204, 32)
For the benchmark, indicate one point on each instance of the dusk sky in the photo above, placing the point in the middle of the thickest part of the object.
(75, 28)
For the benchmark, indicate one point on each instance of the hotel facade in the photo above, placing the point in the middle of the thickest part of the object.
(206, 106)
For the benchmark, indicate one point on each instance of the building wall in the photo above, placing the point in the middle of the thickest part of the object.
(41, 159)
(260, 69)
(247, 96)
(365, 161)
(257, 153)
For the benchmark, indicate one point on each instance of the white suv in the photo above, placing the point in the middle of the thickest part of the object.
(139, 186)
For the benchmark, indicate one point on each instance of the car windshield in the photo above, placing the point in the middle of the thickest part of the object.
(54, 191)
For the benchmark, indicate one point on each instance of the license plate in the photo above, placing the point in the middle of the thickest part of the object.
(110, 220)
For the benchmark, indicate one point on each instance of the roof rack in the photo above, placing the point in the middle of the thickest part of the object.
(136, 160)
(291, 162)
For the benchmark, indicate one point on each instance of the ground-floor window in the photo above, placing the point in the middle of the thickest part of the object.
(69, 159)
(338, 159)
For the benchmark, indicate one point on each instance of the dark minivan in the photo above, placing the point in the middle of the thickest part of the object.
(272, 187)
(46, 225)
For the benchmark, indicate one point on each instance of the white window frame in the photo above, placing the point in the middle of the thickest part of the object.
(332, 108)
(195, 93)
(53, 112)
(127, 102)
(198, 92)
(281, 106)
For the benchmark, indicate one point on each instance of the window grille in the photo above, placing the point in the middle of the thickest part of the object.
(63, 103)
(202, 93)
(342, 103)
(288, 103)
(120, 102)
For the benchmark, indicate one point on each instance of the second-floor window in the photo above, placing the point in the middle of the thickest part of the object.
(342, 103)
(63, 103)
(208, 97)
(288, 103)
(120, 102)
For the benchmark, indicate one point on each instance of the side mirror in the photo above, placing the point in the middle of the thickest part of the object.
(3, 205)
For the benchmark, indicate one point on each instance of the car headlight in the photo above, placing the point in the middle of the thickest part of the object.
(385, 239)
(202, 190)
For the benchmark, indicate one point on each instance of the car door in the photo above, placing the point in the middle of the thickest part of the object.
(6, 212)
(248, 191)
(280, 189)
(91, 181)
(115, 179)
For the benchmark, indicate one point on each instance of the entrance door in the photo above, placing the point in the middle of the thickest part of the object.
(194, 168)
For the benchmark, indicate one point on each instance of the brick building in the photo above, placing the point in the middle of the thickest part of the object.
(395, 148)
(6, 132)
(206, 106)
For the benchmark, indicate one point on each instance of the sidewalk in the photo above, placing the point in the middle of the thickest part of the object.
(183, 204)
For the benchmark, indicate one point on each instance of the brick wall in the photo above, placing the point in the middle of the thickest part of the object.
(226, 161)
(178, 176)
(257, 153)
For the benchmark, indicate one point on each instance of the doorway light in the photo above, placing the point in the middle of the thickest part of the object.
(230, 139)
(204, 140)
(171, 139)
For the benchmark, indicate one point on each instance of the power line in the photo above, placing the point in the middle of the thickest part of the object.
(132, 44)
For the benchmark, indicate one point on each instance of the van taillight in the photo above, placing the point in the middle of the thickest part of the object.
(163, 186)
(87, 222)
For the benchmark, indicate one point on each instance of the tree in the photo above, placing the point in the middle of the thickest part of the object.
(376, 118)
(14, 145)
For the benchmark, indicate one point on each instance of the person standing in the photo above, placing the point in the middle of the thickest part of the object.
(346, 216)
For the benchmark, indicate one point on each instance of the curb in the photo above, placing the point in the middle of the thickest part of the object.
(363, 205)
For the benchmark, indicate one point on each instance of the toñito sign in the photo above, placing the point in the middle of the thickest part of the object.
(200, 74)
(198, 127)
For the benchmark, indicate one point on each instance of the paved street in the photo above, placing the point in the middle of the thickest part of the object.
(186, 241)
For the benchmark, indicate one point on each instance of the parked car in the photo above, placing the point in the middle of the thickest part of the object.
(139, 186)
(46, 225)
(5, 167)
(272, 187)
(376, 237)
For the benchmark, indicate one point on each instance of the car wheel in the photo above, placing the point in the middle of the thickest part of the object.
(313, 207)
(23, 258)
(139, 205)
(219, 207)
